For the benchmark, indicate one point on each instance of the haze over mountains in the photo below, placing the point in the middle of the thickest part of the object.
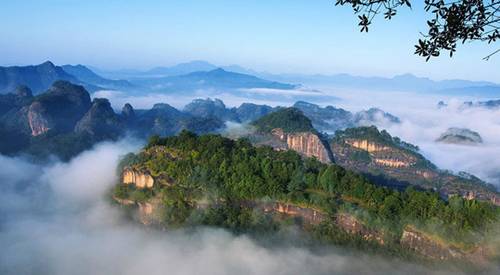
(405, 82)
(202, 75)
(66, 119)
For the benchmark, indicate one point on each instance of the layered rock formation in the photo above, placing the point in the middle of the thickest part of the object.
(367, 145)
(306, 143)
(38, 120)
(426, 245)
(59, 108)
(138, 178)
(373, 152)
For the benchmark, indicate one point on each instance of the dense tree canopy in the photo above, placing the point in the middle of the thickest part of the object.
(452, 21)
(225, 170)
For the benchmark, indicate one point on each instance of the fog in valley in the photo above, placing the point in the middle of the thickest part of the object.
(422, 122)
(57, 218)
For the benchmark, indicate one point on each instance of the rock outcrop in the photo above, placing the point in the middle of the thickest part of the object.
(309, 215)
(353, 226)
(426, 246)
(38, 119)
(140, 179)
(366, 145)
(307, 144)
(394, 163)
(59, 108)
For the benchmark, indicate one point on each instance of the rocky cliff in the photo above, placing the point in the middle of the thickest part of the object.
(38, 119)
(307, 144)
(350, 224)
(373, 152)
(432, 248)
(59, 108)
(140, 179)
(367, 145)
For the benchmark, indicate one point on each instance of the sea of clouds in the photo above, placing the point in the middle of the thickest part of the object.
(57, 218)
(422, 121)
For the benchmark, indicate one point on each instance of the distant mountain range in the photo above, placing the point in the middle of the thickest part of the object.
(202, 75)
(182, 78)
(40, 77)
(214, 79)
(405, 82)
(88, 76)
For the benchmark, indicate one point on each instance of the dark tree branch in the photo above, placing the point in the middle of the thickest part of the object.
(453, 22)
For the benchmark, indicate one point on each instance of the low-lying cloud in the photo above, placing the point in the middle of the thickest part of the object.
(422, 122)
(57, 219)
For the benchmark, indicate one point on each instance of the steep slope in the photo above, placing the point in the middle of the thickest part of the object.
(58, 109)
(208, 180)
(394, 162)
(288, 128)
(63, 121)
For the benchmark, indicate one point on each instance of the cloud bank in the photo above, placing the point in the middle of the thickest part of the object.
(57, 219)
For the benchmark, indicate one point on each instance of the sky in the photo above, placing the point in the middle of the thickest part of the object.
(293, 36)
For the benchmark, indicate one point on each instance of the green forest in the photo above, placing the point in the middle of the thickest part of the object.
(225, 172)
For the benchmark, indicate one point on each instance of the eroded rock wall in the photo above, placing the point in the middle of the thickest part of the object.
(306, 143)
(138, 178)
(37, 120)
(367, 145)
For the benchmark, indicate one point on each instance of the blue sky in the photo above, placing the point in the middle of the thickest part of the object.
(291, 36)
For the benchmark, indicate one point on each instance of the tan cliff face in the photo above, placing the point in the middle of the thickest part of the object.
(38, 123)
(306, 143)
(366, 145)
(139, 179)
(394, 163)
(382, 155)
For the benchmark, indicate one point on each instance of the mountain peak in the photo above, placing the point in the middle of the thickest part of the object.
(47, 64)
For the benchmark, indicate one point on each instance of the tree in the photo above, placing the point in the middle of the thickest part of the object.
(453, 21)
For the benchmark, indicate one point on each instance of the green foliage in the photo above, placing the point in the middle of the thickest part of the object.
(291, 120)
(230, 172)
